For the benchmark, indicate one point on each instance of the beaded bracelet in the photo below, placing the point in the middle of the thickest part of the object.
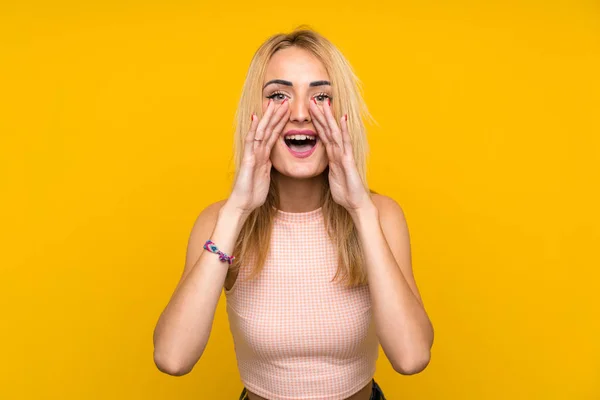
(210, 246)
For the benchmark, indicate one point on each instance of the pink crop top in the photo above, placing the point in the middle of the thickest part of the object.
(296, 334)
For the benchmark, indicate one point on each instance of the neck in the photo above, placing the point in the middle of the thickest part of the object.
(299, 195)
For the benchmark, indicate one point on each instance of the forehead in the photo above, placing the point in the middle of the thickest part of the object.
(296, 65)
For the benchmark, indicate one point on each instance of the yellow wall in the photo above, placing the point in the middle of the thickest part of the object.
(115, 131)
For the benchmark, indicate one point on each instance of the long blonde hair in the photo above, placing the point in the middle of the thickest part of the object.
(253, 241)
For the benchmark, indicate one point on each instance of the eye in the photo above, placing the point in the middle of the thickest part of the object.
(276, 96)
(322, 96)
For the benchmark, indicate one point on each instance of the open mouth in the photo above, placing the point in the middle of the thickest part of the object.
(300, 143)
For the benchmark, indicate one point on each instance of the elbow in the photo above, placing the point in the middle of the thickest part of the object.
(170, 357)
(412, 365)
(415, 357)
(170, 365)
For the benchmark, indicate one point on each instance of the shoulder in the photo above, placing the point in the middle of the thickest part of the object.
(205, 222)
(395, 230)
(387, 207)
(202, 228)
(393, 222)
(207, 217)
(213, 208)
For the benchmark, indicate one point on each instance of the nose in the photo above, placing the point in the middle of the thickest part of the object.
(299, 110)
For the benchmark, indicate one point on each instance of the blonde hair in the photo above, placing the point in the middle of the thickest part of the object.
(252, 244)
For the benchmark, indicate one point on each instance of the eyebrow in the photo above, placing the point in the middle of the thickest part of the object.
(288, 83)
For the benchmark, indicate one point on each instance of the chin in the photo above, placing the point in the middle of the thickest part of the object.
(297, 172)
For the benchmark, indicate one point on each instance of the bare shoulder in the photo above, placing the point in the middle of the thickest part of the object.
(393, 222)
(206, 220)
(387, 207)
(395, 229)
(210, 212)
(201, 230)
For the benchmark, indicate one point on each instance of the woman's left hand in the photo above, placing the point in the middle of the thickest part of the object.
(346, 186)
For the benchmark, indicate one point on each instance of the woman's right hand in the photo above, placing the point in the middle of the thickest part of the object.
(254, 178)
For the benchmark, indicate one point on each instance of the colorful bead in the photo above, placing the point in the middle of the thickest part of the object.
(210, 246)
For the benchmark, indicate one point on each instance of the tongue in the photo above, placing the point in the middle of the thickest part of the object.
(301, 147)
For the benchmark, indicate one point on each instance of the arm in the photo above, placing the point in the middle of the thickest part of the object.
(403, 327)
(184, 326)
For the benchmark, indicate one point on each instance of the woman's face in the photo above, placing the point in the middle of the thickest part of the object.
(295, 74)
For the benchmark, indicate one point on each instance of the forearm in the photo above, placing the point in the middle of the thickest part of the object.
(184, 326)
(402, 325)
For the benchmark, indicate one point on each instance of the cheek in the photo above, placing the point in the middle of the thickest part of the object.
(276, 150)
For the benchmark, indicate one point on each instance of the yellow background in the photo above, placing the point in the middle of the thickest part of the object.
(116, 130)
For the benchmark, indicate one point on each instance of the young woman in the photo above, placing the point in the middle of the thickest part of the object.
(316, 267)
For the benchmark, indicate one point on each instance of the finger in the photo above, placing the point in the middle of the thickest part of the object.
(320, 123)
(249, 139)
(275, 120)
(260, 129)
(324, 137)
(334, 130)
(346, 134)
(334, 151)
(276, 132)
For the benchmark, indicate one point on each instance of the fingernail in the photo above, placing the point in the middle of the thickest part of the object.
(315, 100)
(346, 117)
(284, 100)
(328, 102)
(252, 117)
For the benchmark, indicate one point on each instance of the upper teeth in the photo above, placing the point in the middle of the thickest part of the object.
(300, 137)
